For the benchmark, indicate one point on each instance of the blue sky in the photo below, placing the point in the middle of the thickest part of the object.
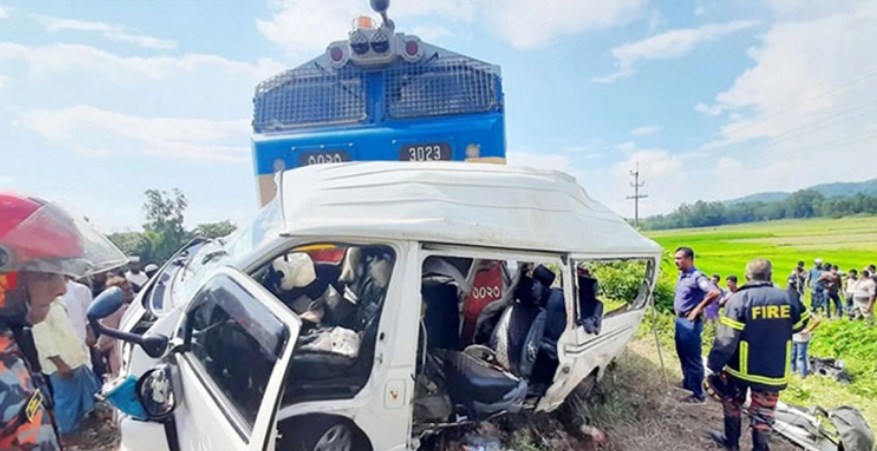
(102, 100)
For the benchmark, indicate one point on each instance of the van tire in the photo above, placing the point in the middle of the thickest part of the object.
(322, 433)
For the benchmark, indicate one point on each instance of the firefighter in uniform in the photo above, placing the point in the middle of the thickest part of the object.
(39, 245)
(752, 352)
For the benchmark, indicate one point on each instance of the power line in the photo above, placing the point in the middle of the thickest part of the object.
(809, 127)
(798, 152)
(820, 124)
(636, 185)
(792, 106)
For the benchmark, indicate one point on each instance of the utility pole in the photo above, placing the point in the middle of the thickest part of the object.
(636, 185)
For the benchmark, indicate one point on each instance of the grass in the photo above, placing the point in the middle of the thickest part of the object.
(847, 242)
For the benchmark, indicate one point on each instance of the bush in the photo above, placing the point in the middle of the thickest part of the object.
(664, 294)
(620, 281)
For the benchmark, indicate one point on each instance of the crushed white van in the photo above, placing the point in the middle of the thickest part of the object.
(372, 304)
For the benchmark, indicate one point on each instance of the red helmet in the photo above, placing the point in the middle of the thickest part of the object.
(37, 235)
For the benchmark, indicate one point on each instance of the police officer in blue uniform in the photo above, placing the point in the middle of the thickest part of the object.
(751, 352)
(694, 292)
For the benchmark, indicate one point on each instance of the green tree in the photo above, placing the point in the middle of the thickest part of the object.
(804, 204)
(131, 243)
(164, 228)
(215, 229)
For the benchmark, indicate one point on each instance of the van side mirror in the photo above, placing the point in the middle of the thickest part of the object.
(106, 303)
(156, 393)
(109, 302)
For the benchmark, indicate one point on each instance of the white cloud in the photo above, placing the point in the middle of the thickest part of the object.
(645, 130)
(463, 11)
(527, 24)
(115, 33)
(94, 132)
(811, 9)
(668, 45)
(726, 164)
(809, 95)
(430, 33)
(656, 20)
(805, 105)
(303, 27)
(554, 162)
(664, 175)
(653, 163)
(4, 12)
(709, 110)
(51, 59)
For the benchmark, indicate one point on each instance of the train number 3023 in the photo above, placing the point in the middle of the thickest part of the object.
(425, 152)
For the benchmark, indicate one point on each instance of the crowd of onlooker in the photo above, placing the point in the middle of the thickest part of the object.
(832, 293)
(75, 360)
(836, 293)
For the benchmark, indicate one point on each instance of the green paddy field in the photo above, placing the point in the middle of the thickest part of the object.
(847, 242)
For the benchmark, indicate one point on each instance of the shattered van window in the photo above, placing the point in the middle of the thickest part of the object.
(266, 226)
(621, 285)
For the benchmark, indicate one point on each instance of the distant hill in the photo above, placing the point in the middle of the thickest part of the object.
(770, 196)
(839, 189)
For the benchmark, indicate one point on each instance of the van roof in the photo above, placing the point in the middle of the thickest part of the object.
(455, 203)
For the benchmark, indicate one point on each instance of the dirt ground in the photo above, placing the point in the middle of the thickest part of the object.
(632, 406)
(98, 433)
(655, 419)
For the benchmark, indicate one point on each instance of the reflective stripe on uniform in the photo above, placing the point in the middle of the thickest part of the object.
(764, 380)
(733, 324)
(743, 372)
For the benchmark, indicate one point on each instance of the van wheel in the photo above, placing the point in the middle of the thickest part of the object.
(321, 433)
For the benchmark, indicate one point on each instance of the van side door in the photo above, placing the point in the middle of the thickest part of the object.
(238, 342)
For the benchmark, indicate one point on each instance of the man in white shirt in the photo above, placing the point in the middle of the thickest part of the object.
(135, 276)
(850, 289)
(67, 363)
(77, 299)
(864, 295)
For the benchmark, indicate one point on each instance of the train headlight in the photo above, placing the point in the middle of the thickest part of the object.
(359, 42)
(380, 41)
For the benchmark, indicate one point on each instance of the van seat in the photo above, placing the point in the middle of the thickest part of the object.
(519, 333)
(481, 388)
